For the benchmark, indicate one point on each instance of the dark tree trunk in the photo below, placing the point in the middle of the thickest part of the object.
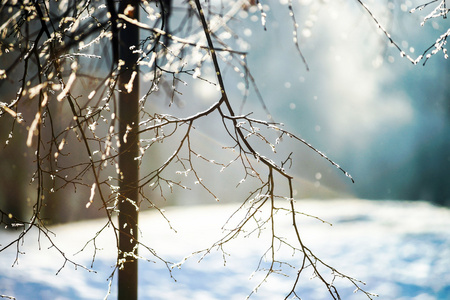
(129, 150)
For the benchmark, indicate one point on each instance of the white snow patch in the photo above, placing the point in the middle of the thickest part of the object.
(400, 249)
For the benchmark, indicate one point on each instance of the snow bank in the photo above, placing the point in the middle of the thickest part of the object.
(400, 249)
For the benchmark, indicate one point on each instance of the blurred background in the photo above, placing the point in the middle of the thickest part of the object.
(381, 118)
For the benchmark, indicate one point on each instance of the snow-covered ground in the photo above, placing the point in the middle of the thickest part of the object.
(400, 249)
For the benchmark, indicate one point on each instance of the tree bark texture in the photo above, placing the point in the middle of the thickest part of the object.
(129, 150)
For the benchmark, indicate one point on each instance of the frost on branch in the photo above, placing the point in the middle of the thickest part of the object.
(440, 10)
(58, 56)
